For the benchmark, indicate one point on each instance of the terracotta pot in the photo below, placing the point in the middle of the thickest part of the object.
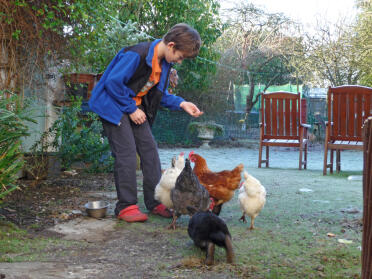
(77, 82)
(98, 76)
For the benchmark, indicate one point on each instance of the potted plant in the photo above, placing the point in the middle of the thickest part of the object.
(206, 131)
(79, 84)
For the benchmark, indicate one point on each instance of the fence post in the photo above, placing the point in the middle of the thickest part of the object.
(367, 202)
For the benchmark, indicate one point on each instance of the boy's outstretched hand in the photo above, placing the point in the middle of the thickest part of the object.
(191, 109)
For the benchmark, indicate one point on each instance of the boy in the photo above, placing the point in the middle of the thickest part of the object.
(127, 98)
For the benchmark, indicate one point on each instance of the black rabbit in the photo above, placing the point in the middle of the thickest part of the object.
(206, 229)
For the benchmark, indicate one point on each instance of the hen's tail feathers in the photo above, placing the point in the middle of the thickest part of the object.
(192, 210)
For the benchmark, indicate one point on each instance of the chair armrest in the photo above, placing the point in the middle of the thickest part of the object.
(307, 126)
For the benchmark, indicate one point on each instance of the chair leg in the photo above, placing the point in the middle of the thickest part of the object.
(300, 159)
(325, 161)
(305, 162)
(338, 160)
(267, 156)
(331, 163)
(260, 155)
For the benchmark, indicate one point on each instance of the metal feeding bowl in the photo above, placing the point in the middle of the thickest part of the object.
(96, 209)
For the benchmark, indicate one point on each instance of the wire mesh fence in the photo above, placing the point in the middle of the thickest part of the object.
(171, 127)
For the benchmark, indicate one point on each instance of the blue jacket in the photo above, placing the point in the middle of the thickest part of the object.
(112, 96)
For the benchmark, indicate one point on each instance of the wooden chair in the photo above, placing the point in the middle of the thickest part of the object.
(348, 107)
(281, 124)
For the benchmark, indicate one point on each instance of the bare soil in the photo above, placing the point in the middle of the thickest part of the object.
(38, 205)
(145, 250)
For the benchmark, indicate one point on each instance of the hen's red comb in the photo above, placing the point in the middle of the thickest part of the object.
(182, 154)
(191, 153)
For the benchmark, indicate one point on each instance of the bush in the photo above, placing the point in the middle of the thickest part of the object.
(77, 137)
(12, 128)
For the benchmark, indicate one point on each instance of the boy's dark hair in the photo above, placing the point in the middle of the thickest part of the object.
(185, 38)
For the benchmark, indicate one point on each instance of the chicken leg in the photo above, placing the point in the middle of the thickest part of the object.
(243, 219)
(173, 224)
(252, 223)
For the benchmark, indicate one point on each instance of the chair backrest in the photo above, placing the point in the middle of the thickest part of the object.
(348, 107)
(281, 115)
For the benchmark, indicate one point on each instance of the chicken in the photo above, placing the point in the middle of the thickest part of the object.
(220, 185)
(206, 229)
(168, 181)
(252, 198)
(188, 192)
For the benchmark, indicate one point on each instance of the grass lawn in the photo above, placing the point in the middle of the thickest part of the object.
(290, 241)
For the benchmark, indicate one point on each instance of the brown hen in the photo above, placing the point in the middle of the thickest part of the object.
(220, 185)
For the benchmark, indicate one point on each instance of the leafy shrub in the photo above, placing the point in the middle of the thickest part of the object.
(77, 137)
(13, 118)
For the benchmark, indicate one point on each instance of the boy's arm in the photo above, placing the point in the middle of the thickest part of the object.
(177, 103)
(171, 101)
(115, 83)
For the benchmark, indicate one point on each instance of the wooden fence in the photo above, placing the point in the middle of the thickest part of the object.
(367, 202)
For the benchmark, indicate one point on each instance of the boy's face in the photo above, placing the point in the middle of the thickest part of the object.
(172, 55)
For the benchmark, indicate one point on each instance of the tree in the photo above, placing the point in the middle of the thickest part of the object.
(363, 41)
(256, 45)
(333, 58)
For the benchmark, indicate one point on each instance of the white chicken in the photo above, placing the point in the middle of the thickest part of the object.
(168, 180)
(252, 198)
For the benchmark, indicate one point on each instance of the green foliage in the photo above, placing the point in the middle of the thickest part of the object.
(100, 49)
(95, 35)
(13, 118)
(364, 41)
(77, 137)
(79, 30)
(156, 17)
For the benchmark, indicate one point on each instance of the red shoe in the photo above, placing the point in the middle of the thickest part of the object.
(132, 214)
(161, 210)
